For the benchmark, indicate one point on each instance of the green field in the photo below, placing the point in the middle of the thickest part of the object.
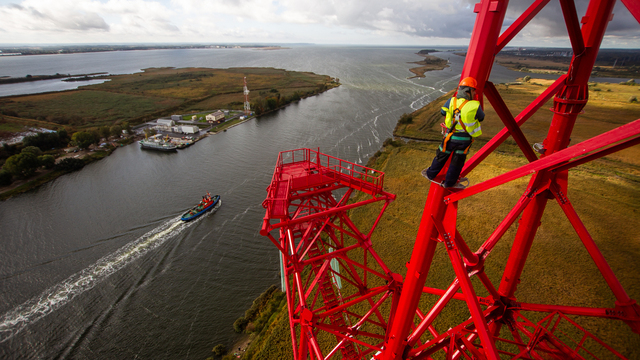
(161, 92)
(605, 193)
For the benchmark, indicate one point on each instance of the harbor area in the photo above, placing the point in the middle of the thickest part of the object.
(193, 123)
(172, 133)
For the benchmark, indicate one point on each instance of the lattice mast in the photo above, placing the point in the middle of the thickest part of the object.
(479, 337)
(336, 284)
(247, 106)
(372, 312)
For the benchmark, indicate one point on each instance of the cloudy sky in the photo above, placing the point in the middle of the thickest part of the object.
(366, 22)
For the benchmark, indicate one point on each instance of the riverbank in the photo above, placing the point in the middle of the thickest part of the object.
(606, 194)
(156, 92)
(43, 176)
(256, 321)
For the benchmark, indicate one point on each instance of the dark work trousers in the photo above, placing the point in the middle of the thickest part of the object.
(457, 148)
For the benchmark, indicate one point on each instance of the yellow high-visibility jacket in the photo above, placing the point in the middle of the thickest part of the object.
(467, 115)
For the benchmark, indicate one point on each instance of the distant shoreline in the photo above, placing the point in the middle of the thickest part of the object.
(623, 64)
(55, 50)
(429, 63)
(64, 77)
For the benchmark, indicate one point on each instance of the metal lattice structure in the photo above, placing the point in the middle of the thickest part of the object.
(245, 91)
(335, 282)
(356, 308)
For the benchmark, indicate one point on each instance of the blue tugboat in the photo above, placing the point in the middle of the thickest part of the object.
(208, 202)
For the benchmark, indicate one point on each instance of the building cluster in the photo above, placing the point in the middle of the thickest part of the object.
(171, 125)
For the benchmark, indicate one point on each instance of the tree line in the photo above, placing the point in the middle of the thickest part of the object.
(35, 152)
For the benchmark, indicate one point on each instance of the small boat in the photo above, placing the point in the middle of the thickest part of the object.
(208, 202)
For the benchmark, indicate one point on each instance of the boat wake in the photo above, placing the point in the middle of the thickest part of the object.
(62, 293)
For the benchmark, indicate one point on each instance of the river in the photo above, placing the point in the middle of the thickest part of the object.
(96, 264)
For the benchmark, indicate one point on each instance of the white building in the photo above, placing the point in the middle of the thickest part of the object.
(216, 117)
(165, 122)
(189, 129)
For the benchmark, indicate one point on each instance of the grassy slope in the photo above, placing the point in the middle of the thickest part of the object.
(160, 91)
(605, 193)
(11, 124)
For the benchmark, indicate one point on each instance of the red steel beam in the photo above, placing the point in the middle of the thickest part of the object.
(595, 21)
(634, 8)
(418, 269)
(610, 313)
(371, 293)
(432, 346)
(573, 26)
(601, 141)
(440, 214)
(434, 312)
(490, 350)
(497, 234)
(522, 245)
(310, 217)
(509, 122)
(520, 23)
(598, 154)
(478, 64)
(482, 45)
(493, 144)
(592, 248)
(567, 105)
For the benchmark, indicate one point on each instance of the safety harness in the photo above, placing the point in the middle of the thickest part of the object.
(457, 118)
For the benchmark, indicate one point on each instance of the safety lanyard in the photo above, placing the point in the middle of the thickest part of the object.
(457, 116)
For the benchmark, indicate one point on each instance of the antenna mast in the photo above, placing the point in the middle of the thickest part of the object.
(247, 107)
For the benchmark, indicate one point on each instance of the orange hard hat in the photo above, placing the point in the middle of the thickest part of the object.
(469, 81)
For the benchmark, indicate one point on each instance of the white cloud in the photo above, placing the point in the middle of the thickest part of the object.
(32, 17)
(329, 21)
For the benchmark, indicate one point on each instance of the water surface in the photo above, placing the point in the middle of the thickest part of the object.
(96, 264)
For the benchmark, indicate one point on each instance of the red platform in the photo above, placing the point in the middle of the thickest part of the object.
(333, 275)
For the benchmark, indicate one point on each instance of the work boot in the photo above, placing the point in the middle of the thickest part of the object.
(424, 173)
(461, 184)
(539, 148)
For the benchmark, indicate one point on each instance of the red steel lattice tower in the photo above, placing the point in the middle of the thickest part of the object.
(336, 284)
(478, 337)
(376, 315)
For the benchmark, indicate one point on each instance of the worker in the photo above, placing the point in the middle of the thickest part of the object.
(463, 115)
